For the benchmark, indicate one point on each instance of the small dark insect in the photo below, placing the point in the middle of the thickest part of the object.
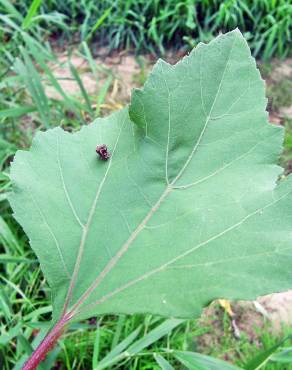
(102, 151)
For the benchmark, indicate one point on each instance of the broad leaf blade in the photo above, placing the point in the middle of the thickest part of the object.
(186, 210)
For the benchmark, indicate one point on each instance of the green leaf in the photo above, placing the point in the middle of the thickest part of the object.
(187, 208)
(197, 361)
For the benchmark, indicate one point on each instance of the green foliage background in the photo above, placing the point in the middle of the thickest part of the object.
(155, 25)
(25, 70)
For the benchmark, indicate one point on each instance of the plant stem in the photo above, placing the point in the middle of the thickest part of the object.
(46, 345)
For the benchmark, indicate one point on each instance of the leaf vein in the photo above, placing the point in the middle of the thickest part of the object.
(88, 223)
(153, 210)
(65, 187)
(173, 260)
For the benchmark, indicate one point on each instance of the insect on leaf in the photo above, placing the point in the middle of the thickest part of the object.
(186, 208)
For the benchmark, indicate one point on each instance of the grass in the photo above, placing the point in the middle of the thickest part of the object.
(27, 69)
(154, 26)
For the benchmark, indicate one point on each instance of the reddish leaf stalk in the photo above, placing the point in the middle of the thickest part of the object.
(46, 345)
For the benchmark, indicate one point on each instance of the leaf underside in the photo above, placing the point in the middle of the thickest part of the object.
(187, 209)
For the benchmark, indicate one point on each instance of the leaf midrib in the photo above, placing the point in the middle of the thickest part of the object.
(177, 258)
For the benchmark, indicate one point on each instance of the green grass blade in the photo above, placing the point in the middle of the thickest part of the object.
(31, 13)
(90, 59)
(282, 357)
(34, 315)
(33, 83)
(119, 353)
(161, 330)
(16, 112)
(96, 348)
(6, 336)
(6, 258)
(76, 76)
(114, 355)
(118, 330)
(197, 361)
(7, 237)
(263, 357)
(164, 365)
(6, 309)
(98, 23)
(40, 58)
(102, 94)
(11, 10)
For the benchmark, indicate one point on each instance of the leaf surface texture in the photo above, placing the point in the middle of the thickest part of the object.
(187, 209)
